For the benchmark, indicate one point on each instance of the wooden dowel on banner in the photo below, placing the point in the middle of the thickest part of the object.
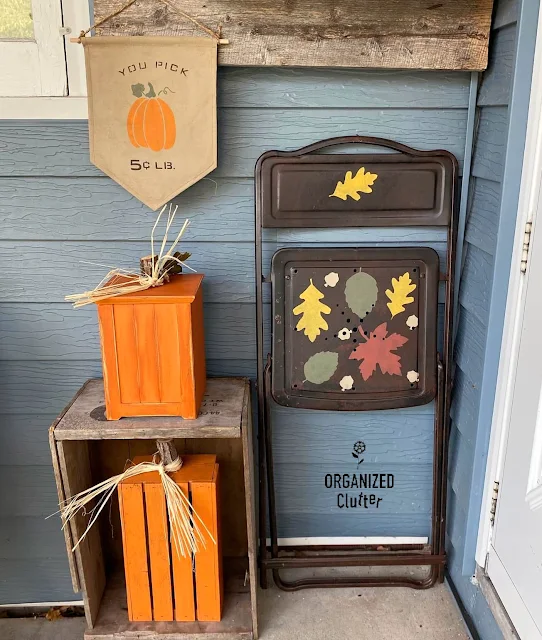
(78, 41)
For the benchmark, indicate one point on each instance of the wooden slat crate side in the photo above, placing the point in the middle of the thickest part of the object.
(134, 541)
(159, 552)
(185, 606)
(208, 560)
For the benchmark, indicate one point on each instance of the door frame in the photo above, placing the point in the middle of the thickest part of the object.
(528, 211)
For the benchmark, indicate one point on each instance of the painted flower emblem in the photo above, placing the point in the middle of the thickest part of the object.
(344, 334)
(331, 279)
(347, 382)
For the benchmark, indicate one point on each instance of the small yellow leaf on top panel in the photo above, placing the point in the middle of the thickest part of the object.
(352, 185)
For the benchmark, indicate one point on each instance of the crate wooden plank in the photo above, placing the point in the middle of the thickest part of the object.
(219, 416)
(451, 34)
(250, 500)
(77, 476)
(112, 623)
(76, 583)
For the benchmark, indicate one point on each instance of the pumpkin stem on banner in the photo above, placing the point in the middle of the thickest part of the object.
(165, 91)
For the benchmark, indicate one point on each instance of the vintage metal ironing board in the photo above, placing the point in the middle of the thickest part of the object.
(355, 329)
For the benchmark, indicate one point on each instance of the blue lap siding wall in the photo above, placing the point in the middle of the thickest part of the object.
(58, 213)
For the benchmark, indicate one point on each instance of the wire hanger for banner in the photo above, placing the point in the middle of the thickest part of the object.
(169, 4)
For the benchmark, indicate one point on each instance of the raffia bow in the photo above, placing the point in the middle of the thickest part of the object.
(120, 281)
(185, 524)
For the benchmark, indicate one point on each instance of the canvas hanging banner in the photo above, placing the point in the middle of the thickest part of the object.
(152, 112)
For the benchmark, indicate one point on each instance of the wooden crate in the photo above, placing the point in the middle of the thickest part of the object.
(153, 352)
(86, 449)
(160, 583)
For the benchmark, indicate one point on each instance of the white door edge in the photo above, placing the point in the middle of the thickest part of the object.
(523, 623)
(527, 212)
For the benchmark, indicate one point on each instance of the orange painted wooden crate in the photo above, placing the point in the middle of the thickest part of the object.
(161, 584)
(153, 351)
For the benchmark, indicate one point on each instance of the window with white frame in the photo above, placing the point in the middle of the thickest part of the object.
(37, 59)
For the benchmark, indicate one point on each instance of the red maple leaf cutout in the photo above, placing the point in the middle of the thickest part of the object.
(377, 350)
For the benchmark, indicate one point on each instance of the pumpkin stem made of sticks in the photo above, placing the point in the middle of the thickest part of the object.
(155, 269)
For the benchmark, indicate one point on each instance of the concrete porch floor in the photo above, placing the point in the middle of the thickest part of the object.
(317, 614)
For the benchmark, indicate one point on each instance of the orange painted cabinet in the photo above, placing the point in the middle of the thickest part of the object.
(161, 585)
(153, 351)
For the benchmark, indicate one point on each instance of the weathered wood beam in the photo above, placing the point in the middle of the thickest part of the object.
(399, 34)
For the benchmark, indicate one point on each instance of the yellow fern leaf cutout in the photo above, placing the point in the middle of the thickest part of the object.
(311, 321)
(352, 185)
(399, 296)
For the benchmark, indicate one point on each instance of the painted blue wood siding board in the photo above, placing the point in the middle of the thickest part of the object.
(59, 213)
(502, 115)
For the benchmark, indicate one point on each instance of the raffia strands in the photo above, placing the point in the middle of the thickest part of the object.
(185, 524)
(121, 281)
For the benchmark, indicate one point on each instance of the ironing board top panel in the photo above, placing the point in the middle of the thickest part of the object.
(354, 329)
(364, 190)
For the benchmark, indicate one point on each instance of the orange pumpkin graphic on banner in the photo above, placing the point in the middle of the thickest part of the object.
(151, 122)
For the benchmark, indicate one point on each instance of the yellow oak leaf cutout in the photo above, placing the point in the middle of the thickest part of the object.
(312, 309)
(352, 185)
(399, 296)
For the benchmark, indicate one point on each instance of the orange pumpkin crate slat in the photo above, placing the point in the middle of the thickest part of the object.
(176, 592)
(153, 350)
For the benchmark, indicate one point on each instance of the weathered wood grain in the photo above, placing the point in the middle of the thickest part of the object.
(249, 473)
(447, 35)
(76, 477)
(61, 149)
(219, 417)
(497, 79)
(490, 145)
(113, 624)
(483, 219)
(61, 492)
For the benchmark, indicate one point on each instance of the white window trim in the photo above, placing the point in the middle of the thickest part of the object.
(73, 106)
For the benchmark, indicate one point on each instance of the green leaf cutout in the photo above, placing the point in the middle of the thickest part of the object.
(361, 292)
(321, 366)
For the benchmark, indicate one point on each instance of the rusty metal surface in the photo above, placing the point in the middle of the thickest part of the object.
(412, 188)
(354, 323)
(274, 209)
